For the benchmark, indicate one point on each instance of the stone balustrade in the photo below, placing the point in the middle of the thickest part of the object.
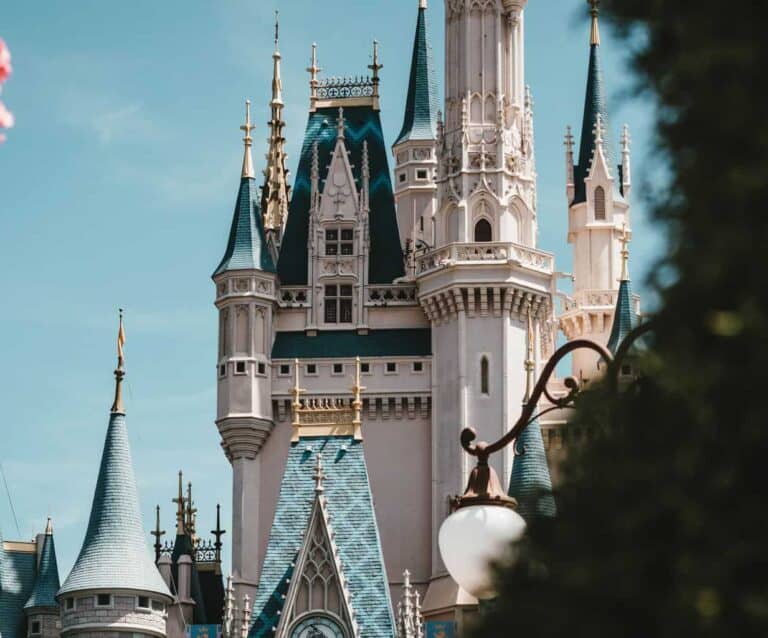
(485, 252)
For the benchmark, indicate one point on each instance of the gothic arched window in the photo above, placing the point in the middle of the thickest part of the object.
(484, 374)
(600, 203)
(483, 231)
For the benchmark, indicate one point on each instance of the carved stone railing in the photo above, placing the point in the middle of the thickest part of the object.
(485, 252)
(293, 297)
(596, 299)
(392, 295)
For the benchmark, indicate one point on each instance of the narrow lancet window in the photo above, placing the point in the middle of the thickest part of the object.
(600, 203)
(484, 381)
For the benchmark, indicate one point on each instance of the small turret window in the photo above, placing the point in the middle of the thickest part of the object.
(483, 231)
(142, 602)
(34, 629)
(103, 600)
(600, 203)
(484, 376)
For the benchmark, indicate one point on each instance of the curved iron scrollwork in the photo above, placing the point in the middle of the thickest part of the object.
(340, 88)
(483, 450)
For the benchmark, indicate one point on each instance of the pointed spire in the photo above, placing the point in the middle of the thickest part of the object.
(375, 67)
(594, 36)
(420, 119)
(624, 316)
(319, 475)
(245, 623)
(180, 502)
(114, 554)
(313, 71)
(229, 610)
(595, 105)
(340, 124)
(190, 513)
(47, 584)
(530, 482)
(217, 534)
(410, 623)
(117, 404)
(626, 168)
(158, 534)
(275, 194)
(247, 127)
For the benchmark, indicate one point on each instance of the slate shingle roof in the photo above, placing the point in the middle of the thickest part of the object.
(362, 123)
(530, 482)
(115, 554)
(403, 342)
(17, 577)
(350, 504)
(420, 122)
(47, 581)
(623, 318)
(247, 248)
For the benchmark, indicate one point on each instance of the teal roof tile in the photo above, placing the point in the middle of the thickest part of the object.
(623, 317)
(350, 505)
(362, 123)
(17, 578)
(420, 122)
(115, 554)
(530, 482)
(594, 103)
(47, 581)
(404, 342)
(247, 249)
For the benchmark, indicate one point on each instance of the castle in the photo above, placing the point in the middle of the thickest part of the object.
(364, 321)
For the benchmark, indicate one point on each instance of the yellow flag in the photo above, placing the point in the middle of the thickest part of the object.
(120, 339)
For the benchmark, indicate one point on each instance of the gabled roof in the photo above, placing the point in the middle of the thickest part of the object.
(594, 104)
(114, 554)
(17, 578)
(47, 581)
(350, 506)
(623, 318)
(362, 124)
(420, 122)
(246, 248)
(530, 482)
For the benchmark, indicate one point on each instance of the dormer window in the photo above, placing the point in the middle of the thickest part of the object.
(338, 303)
(339, 241)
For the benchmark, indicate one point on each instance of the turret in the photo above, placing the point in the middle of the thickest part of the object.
(597, 189)
(415, 150)
(246, 284)
(41, 609)
(114, 587)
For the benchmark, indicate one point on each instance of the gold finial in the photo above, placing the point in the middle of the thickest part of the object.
(297, 391)
(357, 402)
(117, 405)
(319, 475)
(49, 527)
(180, 506)
(624, 253)
(247, 128)
(594, 37)
(530, 363)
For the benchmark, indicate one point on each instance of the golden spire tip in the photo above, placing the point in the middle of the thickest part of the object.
(117, 405)
(248, 140)
(594, 37)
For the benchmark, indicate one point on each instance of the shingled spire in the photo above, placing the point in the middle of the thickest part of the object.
(623, 317)
(43, 596)
(115, 555)
(247, 247)
(594, 105)
(420, 121)
(275, 193)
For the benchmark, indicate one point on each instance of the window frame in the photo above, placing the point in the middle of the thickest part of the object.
(420, 369)
(335, 302)
(487, 223)
(600, 205)
(387, 367)
(147, 607)
(97, 603)
(485, 376)
(284, 370)
(342, 245)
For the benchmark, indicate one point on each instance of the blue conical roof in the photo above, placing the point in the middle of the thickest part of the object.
(530, 482)
(47, 580)
(247, 249)
(420, 121)
(115, 553)
(623, 319)
(594, 103)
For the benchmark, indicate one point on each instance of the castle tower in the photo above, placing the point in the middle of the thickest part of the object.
(114, 587)
(41, 609)
(415, 150)
(598, 216)
(245, 297)
(478, 286)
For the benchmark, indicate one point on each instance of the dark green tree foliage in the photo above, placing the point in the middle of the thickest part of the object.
(662, 525)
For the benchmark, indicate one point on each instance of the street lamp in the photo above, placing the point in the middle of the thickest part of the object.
(484, 522)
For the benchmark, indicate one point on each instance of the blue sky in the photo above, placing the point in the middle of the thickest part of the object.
(117, 187)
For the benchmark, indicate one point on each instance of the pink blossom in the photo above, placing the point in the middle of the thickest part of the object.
(5, 62)
(6, 117)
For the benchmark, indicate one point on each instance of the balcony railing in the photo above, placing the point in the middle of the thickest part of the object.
(485, 252)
